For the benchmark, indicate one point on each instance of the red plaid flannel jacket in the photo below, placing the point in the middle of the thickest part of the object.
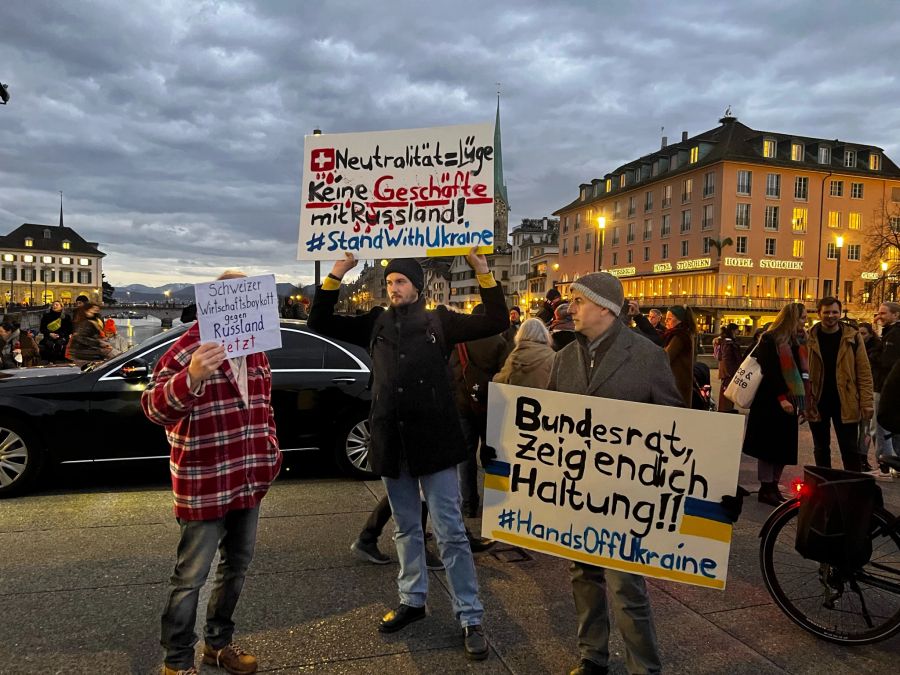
(224, 453)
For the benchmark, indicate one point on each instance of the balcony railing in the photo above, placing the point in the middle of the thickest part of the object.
(709, 191)
(666, 202)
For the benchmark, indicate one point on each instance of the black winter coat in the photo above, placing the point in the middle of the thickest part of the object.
(889, 403)
(413, 420)
(888, 356)
(771, 433)
(65, 329)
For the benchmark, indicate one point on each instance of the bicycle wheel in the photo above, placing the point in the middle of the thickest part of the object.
(854, 608)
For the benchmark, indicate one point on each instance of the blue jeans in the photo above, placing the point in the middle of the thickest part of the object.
(441, 491)
(234, 536)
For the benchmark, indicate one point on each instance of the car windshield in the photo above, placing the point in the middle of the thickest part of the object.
(139, 348)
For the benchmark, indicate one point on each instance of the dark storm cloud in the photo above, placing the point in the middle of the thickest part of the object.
(176, 128)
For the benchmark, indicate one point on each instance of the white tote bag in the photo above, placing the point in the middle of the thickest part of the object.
(742, 389)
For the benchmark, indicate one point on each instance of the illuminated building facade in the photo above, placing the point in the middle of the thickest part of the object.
(736, 223)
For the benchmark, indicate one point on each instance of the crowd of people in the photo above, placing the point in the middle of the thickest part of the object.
(431, 371)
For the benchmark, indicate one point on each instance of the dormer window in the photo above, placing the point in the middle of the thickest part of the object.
(29, 242)
(622, 180)
(695, 154)
(770, 148)
(46, 234)
(797, 152)
(67, 245)
(583, 197)
(824, 155)
(609, 184)
(874, 162)
(850, 159)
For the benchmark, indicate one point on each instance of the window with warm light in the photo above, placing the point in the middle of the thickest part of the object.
(29, 242)
(695, 154)
(834, 219)
(84, 261)
(65, 261)
(798, 248)
(874, 162)
(797, 152)
(799, 219)
(609, 184)
(854, 221)
(28, 258)
(47, 259)
(67, 245)
(622, 180)
(770, 148)
(8, 257)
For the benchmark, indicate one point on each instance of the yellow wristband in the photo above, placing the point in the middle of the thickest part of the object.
(329, 284)
(486, 280)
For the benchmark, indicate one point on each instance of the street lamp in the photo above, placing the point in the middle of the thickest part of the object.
(600, 235)
(167, 294)
(884, 267)
(839, 241)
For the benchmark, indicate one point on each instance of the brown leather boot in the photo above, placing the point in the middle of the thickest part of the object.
(232, 658)
(184, 671)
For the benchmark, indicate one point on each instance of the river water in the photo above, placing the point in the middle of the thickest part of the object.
(138, 330)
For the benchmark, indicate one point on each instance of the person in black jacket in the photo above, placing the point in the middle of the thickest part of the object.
(56, 329)
(887, 444)
(415, 444)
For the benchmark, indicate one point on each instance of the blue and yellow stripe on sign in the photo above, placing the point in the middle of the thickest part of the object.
(705, 519)
(496, 476)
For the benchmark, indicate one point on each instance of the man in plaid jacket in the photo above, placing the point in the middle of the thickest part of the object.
(219, 422)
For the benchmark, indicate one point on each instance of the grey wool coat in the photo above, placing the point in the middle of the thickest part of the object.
(632, 369)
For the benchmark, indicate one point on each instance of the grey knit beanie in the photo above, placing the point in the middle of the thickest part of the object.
(603, 289)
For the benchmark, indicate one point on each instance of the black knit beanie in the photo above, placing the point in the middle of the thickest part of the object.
(408, 267)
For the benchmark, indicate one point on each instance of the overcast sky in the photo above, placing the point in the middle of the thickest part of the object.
(175, 129)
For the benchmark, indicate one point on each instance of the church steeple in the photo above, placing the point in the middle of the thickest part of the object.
(499, 182)
(60, 209)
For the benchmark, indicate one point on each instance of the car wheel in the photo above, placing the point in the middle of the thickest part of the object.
(352, 450)
(20, 458)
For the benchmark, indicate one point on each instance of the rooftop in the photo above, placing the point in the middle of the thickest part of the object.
(48, 238)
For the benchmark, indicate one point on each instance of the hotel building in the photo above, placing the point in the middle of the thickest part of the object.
(736, 223)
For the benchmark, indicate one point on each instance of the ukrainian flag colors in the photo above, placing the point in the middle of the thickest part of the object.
(705, 519)
(496, 476)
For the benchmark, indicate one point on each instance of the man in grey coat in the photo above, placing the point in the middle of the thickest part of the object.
(610, 361)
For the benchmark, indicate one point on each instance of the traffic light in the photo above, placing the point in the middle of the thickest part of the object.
(4, 93)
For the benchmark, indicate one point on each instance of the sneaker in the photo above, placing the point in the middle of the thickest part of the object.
(400, 618)
(588, 667)
(184, 671)
(432, 561)
(369, 552)
(480, 544)
(232, 658)
(475, 643)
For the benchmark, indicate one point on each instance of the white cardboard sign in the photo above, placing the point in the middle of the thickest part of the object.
(398, 194)
(241, 314)
(627, 486)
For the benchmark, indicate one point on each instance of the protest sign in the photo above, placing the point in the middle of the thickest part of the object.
(398, 194)
(241, 314)
(627, 486)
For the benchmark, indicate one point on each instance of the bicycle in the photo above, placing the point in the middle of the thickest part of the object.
(846, 606)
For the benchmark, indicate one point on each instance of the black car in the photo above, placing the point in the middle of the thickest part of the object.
(320, 395)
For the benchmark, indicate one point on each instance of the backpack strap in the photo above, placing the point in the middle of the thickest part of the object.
(436, 331)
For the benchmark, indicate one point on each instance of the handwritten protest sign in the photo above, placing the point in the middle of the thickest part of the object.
(627, 486)
(241, 314)
(415, 192)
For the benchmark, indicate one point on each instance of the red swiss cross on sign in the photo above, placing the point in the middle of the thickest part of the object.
(322, 159)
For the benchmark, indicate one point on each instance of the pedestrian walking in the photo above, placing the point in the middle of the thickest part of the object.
(678, 341)
(415, 444)
(87, 343)
(840, 382)
(529, 363)
(887, 444)
(728, 356)
(224, 456)
(866, 436)
(610, 361)
(772, 427)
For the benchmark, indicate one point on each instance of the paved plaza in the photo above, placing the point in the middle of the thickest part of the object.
(86, 563)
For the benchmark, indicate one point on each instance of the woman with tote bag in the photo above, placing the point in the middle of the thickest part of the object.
(772, 427)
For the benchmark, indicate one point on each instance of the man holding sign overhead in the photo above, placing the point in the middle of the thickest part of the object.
(609, 361)
(417, 440)
(211, 391)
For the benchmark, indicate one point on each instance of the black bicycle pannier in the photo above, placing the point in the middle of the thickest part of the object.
(835, 517)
